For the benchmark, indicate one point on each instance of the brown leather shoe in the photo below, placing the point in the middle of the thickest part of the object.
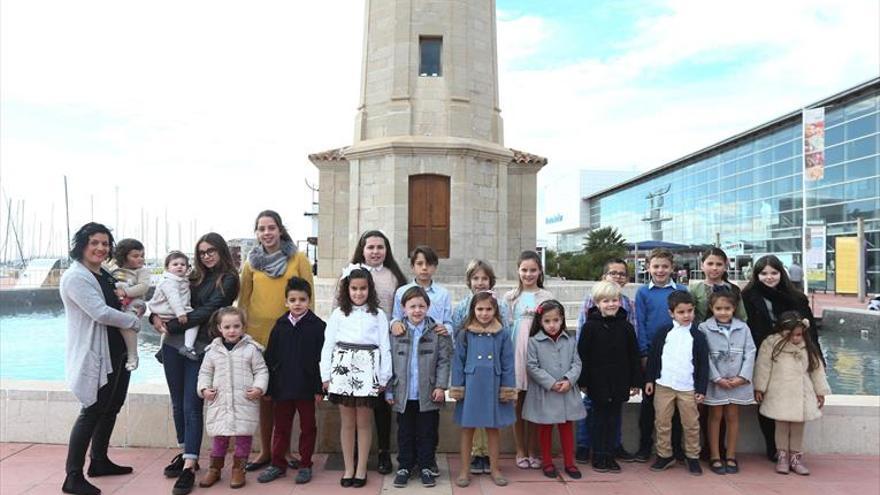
(797, 464)
(782, 464)
(237, 479)
(213, 474)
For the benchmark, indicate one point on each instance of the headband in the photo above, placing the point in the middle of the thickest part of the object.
(346, 272)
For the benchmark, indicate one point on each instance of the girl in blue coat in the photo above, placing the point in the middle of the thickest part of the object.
(483, 381)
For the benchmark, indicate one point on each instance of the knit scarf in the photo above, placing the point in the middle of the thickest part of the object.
(275, 264)
(781, 301)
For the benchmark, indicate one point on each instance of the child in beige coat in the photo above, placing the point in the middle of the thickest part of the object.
(791, 386)
(232, 379)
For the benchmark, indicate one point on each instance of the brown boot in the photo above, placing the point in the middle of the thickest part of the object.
(237, 478)
(797, 464)
(213, 474)
(782, 465)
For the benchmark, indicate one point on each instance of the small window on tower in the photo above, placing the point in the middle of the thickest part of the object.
(430, 48)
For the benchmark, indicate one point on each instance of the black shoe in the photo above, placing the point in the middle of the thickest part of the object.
(434, 470)
(303, 476)
(663, 463)
(185, 482)
(384, 465)
(173, 469)
(76, 483)
(106, 467)
(717, 466)
(271, 473)
(402, 477)
(359, 482)
(573, 472)
(622, 455)
(694, 467)
(599, 464)
(477, 465)
(255, 466)
(582, 455)
(642, 456)
(613, 466)
(346, 482)
(428, 478)
(550, 471)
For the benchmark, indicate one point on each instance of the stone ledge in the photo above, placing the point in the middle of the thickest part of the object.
(43, 412)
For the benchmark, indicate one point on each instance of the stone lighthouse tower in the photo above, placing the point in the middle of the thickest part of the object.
(428, 163)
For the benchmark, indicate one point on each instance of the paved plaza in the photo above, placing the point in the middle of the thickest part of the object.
(38, 469)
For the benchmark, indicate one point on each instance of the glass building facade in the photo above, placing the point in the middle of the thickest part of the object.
(747, 192)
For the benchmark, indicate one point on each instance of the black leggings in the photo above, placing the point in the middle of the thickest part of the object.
(382, 415)
(768, 430)
(95, 423)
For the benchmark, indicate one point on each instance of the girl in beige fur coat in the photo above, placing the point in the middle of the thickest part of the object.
(790, 385)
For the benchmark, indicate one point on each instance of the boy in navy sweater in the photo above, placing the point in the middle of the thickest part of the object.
(652, 310)
(677, 376)
(292, 355)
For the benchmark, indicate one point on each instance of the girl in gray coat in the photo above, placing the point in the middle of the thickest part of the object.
(553, 367)
(731, 362)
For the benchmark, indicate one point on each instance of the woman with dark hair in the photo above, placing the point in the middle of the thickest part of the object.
(214, 285)
(96, 356)
(768, 294)
(374, 251)
(264, 279)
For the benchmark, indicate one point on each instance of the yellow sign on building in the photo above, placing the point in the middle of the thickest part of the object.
(846, 260)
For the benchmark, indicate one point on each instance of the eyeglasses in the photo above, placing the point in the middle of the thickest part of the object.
(210, 252)
(616, 274)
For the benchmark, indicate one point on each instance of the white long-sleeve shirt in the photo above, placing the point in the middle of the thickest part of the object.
(678, 359)
(359, 327)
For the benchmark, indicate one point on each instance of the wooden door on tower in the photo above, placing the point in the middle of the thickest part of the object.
(429, 212)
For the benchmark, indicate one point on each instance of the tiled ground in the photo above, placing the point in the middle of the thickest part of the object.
(36, 469)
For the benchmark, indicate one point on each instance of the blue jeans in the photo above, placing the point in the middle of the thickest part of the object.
(583, 434)
(182, 375)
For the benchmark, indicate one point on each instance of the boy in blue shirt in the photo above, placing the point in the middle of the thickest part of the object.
(423, 262)
(652, 315)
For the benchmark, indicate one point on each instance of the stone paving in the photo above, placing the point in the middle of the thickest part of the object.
(39, 468)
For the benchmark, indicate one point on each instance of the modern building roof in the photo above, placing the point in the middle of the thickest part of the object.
(867, 86)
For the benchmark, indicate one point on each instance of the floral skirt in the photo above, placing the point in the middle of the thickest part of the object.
(354, 375)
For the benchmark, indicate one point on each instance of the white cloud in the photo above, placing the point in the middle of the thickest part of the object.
(617, 111)
(208, 109)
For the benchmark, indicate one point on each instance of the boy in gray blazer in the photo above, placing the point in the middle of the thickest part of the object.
(421, 362)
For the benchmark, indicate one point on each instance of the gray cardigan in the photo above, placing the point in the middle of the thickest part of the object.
(88, 316)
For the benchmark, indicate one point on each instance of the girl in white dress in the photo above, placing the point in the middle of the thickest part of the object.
(356, 365)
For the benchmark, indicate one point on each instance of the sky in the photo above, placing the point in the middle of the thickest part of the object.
(208, 109)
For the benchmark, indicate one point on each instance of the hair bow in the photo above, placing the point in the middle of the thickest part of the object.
(346, 272)
(539, 310)
(491, 293)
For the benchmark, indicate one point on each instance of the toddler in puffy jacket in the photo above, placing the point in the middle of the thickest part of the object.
(232, 379)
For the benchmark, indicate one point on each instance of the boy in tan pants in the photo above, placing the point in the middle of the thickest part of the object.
(677, 375)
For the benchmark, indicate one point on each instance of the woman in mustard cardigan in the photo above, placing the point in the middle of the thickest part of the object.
(263, 278)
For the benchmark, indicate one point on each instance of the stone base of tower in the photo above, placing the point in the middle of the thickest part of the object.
(488, 213)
